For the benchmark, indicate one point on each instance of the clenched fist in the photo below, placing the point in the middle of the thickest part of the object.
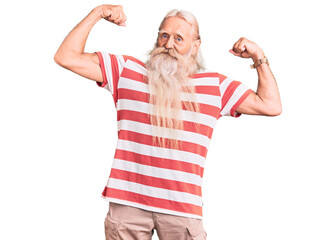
(114, 14)
(246, 49)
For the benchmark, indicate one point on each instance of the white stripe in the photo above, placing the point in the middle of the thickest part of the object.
(204, 81)
(201, 81)
(154, 191)
(240, 90)
(157, 172)
(223, 86)
(159, 152)
(121, 63)
(108, 70)
(133, 85)
(143, 128)
(126, 104)
(135, 67)
(150, 208)
(107, 87)
(203, 98)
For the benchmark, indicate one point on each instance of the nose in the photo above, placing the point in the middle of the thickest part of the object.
(169, 43)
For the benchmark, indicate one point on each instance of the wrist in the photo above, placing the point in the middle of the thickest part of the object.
(258, 55)
(259, 61)
(98, 12)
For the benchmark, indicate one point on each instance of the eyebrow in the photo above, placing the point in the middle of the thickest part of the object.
(177, 33)
(180, 35)
(161, 32)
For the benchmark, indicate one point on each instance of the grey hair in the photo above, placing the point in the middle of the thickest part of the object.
(188, 16)
(191, 19)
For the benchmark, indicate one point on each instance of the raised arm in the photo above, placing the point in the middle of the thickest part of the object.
(266, 101)
(71, 55)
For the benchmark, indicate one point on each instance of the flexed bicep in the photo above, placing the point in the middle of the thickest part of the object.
(85, 65)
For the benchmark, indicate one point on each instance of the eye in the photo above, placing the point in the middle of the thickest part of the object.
(179, 39)
(164, 35)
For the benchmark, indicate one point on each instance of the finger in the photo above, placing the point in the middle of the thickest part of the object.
(234, 53)
(114, 13)
(242, 46)
(110, 17)
(123, 20)
(236, 47)
(117, 19)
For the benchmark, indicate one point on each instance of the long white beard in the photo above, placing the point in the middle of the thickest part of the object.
(168, 76)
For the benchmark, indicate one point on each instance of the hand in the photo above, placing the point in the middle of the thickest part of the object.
(114, 14)
(247, 49)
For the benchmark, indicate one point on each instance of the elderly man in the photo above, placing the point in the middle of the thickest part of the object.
(167, 109)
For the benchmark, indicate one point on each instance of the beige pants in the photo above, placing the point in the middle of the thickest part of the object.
(130, 223)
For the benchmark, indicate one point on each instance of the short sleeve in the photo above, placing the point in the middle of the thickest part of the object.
(111, 66)
(233, 93)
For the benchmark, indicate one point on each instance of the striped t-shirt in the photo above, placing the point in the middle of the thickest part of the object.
(162, 179)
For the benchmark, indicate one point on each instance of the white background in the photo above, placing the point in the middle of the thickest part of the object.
(265, 177)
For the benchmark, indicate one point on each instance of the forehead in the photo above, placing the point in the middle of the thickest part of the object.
(176, 25)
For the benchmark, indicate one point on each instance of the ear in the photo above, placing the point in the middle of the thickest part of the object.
(196, 44)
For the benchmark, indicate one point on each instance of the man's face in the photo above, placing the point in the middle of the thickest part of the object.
(177, 33)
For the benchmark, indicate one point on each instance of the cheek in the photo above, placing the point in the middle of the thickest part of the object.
(183, 49)
(158, 43)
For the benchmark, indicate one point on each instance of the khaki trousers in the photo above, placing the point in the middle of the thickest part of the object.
(124, 222)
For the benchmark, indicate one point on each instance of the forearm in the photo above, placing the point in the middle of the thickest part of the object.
(75, 41)
(267, 89)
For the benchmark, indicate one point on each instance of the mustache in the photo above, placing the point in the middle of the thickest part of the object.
(170, 52)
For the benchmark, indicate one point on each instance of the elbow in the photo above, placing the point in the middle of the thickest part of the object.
(274, 110)
(57, 59)
(60, 58)
(276, 113)
(64, 60)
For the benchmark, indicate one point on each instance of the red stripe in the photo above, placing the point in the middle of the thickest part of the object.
(210, 90)
(134, 60)
(130, 74)
(207, 109)
(221, 78)
(241, 99)
(153, 201)
(144, 118)
(144, 97)
(125, 93)
(159, 162)
(156, 182)
(102, 68)
(133, 116)
(147, 139)
(201, 75)
(229, 92)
